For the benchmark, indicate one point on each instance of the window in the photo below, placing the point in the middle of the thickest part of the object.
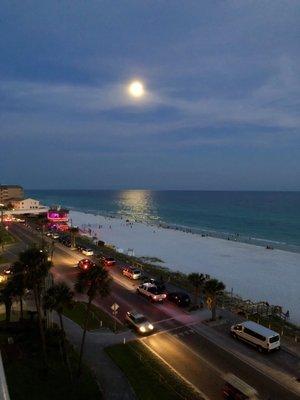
(254, 334)
(274, 339)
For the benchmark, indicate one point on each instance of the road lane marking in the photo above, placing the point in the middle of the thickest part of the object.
(281, 379)
(177, 372)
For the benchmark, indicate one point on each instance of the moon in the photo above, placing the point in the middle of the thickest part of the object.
(136, 89)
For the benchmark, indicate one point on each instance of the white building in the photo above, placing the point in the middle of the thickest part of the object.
(26, 204)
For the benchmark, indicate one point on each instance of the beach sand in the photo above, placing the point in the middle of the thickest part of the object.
(251, 271)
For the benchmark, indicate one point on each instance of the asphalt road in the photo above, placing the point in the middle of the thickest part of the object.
(181, 340)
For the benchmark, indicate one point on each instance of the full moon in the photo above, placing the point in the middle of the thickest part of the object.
(136, 89)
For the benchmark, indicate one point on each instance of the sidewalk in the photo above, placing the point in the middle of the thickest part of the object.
(113, 382)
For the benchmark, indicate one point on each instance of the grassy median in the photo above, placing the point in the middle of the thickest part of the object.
(149, 377)
(78, 313)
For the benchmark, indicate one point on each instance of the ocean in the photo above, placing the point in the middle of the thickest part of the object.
(263, 218)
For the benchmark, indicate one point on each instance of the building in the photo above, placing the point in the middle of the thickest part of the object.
(26, 204)
(58, 215)
(10, 192)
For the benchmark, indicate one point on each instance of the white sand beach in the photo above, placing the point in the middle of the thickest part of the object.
(251, 271)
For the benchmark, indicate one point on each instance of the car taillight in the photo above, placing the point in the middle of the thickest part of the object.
(164, 296)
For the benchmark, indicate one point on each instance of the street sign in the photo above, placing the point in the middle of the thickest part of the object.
(115, 307)
(209, 302)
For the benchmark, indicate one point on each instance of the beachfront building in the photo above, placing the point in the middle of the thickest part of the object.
(58, 218)
(10, 192)
(58, 215)
(26, 204)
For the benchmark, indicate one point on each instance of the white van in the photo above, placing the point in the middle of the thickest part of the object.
(262, 338)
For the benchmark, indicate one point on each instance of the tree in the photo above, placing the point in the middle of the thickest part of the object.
(197, 280)
(36, 267)
(18, 282)
(57, 298)
(6, 298)
(94, 282)
(213, 288)
(73, 233)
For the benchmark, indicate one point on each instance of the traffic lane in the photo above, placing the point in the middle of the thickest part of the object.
(192, 367)
(281, 360)
(123, 292)
(228, 362)
(127, 301)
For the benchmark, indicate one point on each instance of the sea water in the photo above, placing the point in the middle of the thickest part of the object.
(266, 218)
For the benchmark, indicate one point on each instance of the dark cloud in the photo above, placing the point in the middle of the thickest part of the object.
(222, 104)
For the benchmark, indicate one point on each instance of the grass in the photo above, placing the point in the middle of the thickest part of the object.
(5, 237)
(150, 378)
(23, 369)
(78, 314)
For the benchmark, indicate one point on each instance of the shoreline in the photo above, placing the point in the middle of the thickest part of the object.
(234, 237)
(251, 270)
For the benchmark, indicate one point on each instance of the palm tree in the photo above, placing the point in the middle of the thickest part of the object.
(57, 298)
(94, 282)
(73, 233)
(6, 298)
(197, 280)
(213, 288)
(36, 267)
(18, 282)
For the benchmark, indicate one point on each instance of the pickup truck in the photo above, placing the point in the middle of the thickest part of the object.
(152, 292)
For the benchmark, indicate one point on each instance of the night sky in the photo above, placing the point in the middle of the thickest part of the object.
(221, 109)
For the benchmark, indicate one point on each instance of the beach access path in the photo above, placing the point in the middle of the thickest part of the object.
(112, 380)
(251, 271)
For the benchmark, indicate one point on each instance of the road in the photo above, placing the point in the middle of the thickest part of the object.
(197, 353)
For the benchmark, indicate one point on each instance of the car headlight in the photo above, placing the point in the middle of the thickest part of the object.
(150, 326)
(142, 329)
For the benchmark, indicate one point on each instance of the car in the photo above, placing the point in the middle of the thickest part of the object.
(55, 235)
(158, 283)
(87, 252)
(85, 264)
(181, 299)
(7, 271)
(152, 292)
(132, 273)
(48, 234)
(108, 261)
(139, 322)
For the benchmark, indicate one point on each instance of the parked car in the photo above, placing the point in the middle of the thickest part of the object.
(108, 261)
(181, 299)
(152, 292)
(7, 271)
(158, 283)
(85, 264)
(132, 273)
(139, 322)
(87, 252)
(264, 339)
